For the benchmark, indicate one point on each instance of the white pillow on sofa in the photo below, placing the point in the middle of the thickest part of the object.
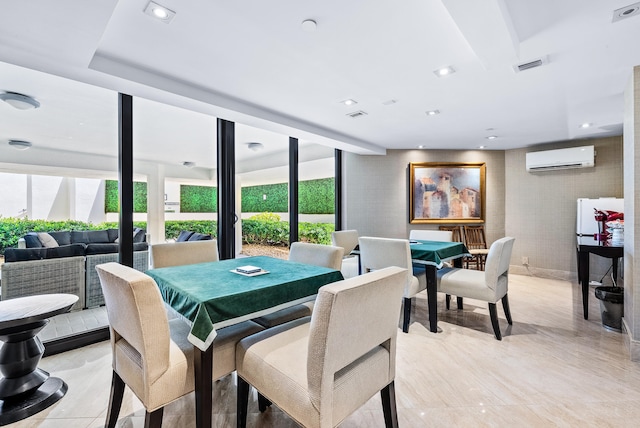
(47, 240)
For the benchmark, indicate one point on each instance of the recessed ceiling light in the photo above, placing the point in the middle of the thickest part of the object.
(189, 164)
(491, 137)
(159, 12)
(309, 25)
(586, 125)
(19, 144)
(19, 101)
(433, 112)
(422, 147)
(349, 102)
(444, 71)
(481, 147)
(626, 12)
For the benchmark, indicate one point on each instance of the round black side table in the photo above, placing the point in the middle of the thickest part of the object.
(24, 388)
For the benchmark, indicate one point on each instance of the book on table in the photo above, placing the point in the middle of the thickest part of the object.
(248, 269)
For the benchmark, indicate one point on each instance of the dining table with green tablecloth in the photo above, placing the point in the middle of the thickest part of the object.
(215, 295)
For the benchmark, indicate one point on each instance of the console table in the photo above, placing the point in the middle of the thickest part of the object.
(589, 245)
(24, 388)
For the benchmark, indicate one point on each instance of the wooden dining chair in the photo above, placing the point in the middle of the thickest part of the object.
(456, 232)
(476, 243)
(319, 370)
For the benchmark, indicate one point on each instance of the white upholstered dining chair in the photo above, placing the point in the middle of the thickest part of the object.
(431, 235)
(184, 253)
(379, 253)
(348, 240)
(312, 254)
(150, 353)
(322, 369)
(489, 285)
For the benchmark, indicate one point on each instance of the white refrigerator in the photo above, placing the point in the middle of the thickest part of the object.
(586, 223)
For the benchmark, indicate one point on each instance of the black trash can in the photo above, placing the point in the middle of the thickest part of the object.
(611, 306)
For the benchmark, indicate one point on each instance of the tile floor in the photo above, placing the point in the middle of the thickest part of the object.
(552, 368)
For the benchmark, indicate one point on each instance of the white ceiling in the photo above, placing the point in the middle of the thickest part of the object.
(251, 62)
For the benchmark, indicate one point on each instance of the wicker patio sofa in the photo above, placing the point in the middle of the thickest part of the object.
(42, 266)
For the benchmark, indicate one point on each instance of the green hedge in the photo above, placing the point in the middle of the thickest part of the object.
(277, 198)
(111, 200)
(265, 230)
(315, 197)
(198, 199)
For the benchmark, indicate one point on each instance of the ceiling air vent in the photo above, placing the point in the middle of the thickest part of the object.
(530, 64)
(358, 113)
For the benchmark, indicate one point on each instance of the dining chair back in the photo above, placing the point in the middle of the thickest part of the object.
(456, 231)
(156, 364)
(316, 254)
(312, 254)
(431, 235)
(184, 253)
(489, 285)
(151, 353)
(334, 362)
(476, 243)
(348, 240)
(379, 253)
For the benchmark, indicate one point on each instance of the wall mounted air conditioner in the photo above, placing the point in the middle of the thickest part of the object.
(548, 160)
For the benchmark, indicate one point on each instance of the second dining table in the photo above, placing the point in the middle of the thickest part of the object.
(433, 255)
(214, 295)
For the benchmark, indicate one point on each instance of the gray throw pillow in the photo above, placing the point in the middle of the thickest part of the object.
(47, 240)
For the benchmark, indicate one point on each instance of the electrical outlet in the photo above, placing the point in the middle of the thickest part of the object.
(525, 261)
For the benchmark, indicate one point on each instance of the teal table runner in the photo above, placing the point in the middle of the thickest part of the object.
(436, 252)
(211, 296)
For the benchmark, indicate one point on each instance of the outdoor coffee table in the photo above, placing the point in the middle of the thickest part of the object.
(24, 388)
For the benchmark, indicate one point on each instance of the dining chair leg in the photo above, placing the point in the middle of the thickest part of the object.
(459, 302)
(388, 395)
(407, 315)
(507, 311)
(242, 403)
(447, 301)
(263, 403)
(115, 400)
(493, 313)
(153, 419)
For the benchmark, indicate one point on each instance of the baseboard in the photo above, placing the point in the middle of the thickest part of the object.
(543, 273)
(633, 346)
(75, 341)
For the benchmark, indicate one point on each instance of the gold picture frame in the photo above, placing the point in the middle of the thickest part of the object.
(447, 192)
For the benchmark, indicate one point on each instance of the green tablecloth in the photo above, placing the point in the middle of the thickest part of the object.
(436, 252)
(211, 296)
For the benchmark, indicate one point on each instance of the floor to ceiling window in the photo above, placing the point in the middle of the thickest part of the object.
(262, 189)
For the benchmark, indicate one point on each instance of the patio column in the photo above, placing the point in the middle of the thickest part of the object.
(155, 205)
